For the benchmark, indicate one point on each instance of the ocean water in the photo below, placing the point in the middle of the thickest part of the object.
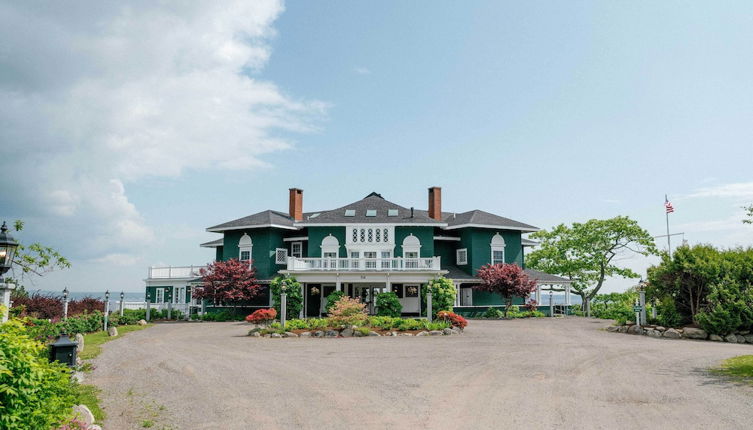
(75, 295)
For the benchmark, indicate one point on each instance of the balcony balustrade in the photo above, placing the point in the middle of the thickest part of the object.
(364, 264)
(171, 272)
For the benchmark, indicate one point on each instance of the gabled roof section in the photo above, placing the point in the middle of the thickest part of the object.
(372, 202)
(262, 219)
(481, 219)
(212, 244)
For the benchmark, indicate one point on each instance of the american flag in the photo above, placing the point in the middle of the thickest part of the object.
(668, 206)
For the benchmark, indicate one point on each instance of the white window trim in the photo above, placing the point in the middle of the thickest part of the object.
(245, 244)
(497, 244)
(293, 252)
(330, 247)
(278, 253)
(464, 252)
(410, 247)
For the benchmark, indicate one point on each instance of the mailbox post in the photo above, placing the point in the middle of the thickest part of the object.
(63, 350)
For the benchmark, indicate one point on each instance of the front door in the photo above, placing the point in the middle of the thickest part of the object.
(326, 291)
(367, 294)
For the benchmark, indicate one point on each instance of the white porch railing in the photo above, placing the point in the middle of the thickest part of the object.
(174, 272)
(363, 264)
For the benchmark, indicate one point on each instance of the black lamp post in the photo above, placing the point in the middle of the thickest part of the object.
(63, 350)
(8, 247)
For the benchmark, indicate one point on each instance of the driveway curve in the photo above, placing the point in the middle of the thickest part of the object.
(541, 373)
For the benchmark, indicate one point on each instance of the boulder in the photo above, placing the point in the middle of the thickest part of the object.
(305, 334)
(694, 333)
(634, 329)
(732, 338)
(78, 376)
(740, 338)
(373, 333)
(80, 342)
(622, 329)
(112, 331)
(330, 333)
(613, 328)
(407, 334)
(447, 332)
(749, 338)
(392, 333)
(94, 427)
(660, 328)
(289, 334)
(744, 332)
(435, 333)
(83, 414)
(671, 334)
(358, 334)
(255, 334)
(456, 330)
(275, 335)
(654, 333)
(422, 333)
(716, 338)
(348, 332)
(319, 333)
(141, 322)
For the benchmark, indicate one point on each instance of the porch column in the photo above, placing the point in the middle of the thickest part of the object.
(567, 294)
(338, 285)
(269, 290)
(538, 293)
(388, 285)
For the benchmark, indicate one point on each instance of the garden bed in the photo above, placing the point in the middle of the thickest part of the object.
(688, 332)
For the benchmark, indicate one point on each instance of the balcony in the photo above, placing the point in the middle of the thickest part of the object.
(175, 272)
(363, 264)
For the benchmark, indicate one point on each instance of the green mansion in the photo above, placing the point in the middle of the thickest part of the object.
(363, 248)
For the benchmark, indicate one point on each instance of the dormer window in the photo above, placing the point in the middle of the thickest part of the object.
(245, 246)
(498, 249)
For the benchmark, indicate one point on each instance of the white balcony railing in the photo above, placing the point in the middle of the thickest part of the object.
(174, 272)
(363, 264)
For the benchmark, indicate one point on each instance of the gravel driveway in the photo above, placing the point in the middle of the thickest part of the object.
(563, 373)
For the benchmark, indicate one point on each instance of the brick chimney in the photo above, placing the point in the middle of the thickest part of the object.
(435, 203)
(296, 204)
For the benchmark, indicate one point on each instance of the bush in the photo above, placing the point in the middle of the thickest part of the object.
(364, 331)
(442, 295)
(296, 324)
(384, 322)
(729, 309)
(388, 305)
(34, 393)
(531, 305)
(221, 316)
(454, 319)
(347, 312)
(262, 316)
(332, 299)
(294, 295)
(666, 313)
(493, 313)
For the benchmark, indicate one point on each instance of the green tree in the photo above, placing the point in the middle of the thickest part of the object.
(34, 259)
(587, 253)
(294, 298)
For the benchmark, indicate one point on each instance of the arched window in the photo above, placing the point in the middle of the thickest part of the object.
(411, 247)
(245, 245)
(330, 247)
(498, 249)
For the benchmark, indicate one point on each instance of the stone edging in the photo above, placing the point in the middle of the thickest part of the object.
(681, 333)
(352, 333)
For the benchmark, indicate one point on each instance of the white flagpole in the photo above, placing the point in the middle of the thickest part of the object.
(669, 243)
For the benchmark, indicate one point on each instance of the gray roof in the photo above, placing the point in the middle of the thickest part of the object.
(261, 219)
(373, 201)
(212, 244)
(454, 272)
(528, 242)
(479, 217)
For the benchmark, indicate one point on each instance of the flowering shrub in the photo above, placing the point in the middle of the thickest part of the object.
(347, 312)
(531, 305)
(262, 316)
(453, 318)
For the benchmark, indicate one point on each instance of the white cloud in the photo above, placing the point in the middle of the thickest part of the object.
(740, 191)
(98, 95)
(119, 259)
(362, 70)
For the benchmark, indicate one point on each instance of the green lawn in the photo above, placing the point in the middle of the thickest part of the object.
(93, 341)
(87, 395)
(738, 367)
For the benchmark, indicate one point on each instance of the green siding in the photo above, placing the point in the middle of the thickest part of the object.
(424, 234)
(218, 253)
(151, 292)
(478, 241)
(316, 234)
(265, 240)
(445, 250)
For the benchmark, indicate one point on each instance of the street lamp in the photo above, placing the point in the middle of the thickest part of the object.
(8, 247)
(122, 297)
(107, 307)
(65, 303)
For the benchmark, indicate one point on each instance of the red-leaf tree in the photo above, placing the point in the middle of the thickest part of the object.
(228, 281)
(507, 280)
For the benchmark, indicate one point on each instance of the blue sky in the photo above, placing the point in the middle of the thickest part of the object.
(134, 128)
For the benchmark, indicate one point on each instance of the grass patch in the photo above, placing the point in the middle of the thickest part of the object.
(93, 341)
(87, 395)
(738, 367)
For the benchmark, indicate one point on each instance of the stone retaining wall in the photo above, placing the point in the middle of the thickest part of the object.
(682, 333)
